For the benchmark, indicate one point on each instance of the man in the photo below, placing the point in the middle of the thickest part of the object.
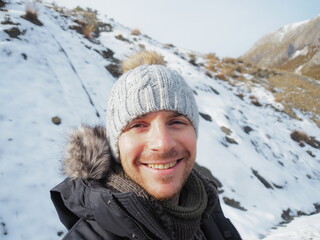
(136, 180)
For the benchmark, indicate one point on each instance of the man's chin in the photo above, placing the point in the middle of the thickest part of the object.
(165, 196)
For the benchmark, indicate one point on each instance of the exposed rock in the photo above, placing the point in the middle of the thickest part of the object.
(103, 27)
(231, 140)
(107, 54)
(287, 215)
(206, 116)
(247, 129)
(56, 120)
(121, 38)
(233, 203)
(25, 57)
(302, 137)
(7, 21)
(255, 101)
(311, 153)
(226, 130)
(240, 95)
(277, 186)
(33, 19)
(114, 69)
(213, 90)
(3, 228)
(14, 32)
(2, 3)
(261, 179)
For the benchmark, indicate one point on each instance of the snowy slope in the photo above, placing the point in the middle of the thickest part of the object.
(51, 71)
(303, 228)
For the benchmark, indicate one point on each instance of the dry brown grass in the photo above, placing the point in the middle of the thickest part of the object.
(121, 38)
(88, 30)
(291, 90)
(255, 101)
(192, 59)
(91, 23)
(302, 137)
(87, 22)
(265, 50)
(211, 62)
(221, 77)
(233, 68)
(299, 136)
(307, 70)
(312, 71)
(31, 14)
(168, 45)
(140, 58)
(297, 92)
(135, 32)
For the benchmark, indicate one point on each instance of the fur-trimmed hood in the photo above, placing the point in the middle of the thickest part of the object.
(87, 155)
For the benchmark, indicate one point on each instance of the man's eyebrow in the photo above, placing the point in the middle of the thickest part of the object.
(174, 114)
(142, 116)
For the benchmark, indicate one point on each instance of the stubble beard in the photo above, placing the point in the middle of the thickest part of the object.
(157, 157)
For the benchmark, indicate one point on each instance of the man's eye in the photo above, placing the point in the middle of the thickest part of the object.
(178, 122)
(137, 125)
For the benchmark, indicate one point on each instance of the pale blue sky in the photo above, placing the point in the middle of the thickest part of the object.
(225, 27)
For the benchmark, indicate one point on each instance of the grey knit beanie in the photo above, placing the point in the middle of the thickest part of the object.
(145, 89)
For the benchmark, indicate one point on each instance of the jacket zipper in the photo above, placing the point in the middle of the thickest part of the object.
(132, 219)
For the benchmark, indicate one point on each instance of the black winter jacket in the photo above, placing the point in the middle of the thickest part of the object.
(90, 211)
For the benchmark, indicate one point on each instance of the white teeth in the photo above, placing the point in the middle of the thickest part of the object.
(162, 166)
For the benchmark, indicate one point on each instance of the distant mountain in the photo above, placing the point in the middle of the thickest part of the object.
(295, 47)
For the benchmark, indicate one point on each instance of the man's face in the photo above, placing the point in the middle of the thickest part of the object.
(158, 152)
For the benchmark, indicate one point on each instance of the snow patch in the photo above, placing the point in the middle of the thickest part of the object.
(302, 52)
(302, 228)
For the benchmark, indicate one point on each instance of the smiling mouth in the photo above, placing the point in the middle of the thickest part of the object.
(163, 166)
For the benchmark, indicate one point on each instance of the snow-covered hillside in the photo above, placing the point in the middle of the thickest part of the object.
(53, 79)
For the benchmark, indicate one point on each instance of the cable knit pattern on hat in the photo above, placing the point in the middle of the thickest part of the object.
(145, 89)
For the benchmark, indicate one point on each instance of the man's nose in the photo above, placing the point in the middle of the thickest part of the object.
(161, 138)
